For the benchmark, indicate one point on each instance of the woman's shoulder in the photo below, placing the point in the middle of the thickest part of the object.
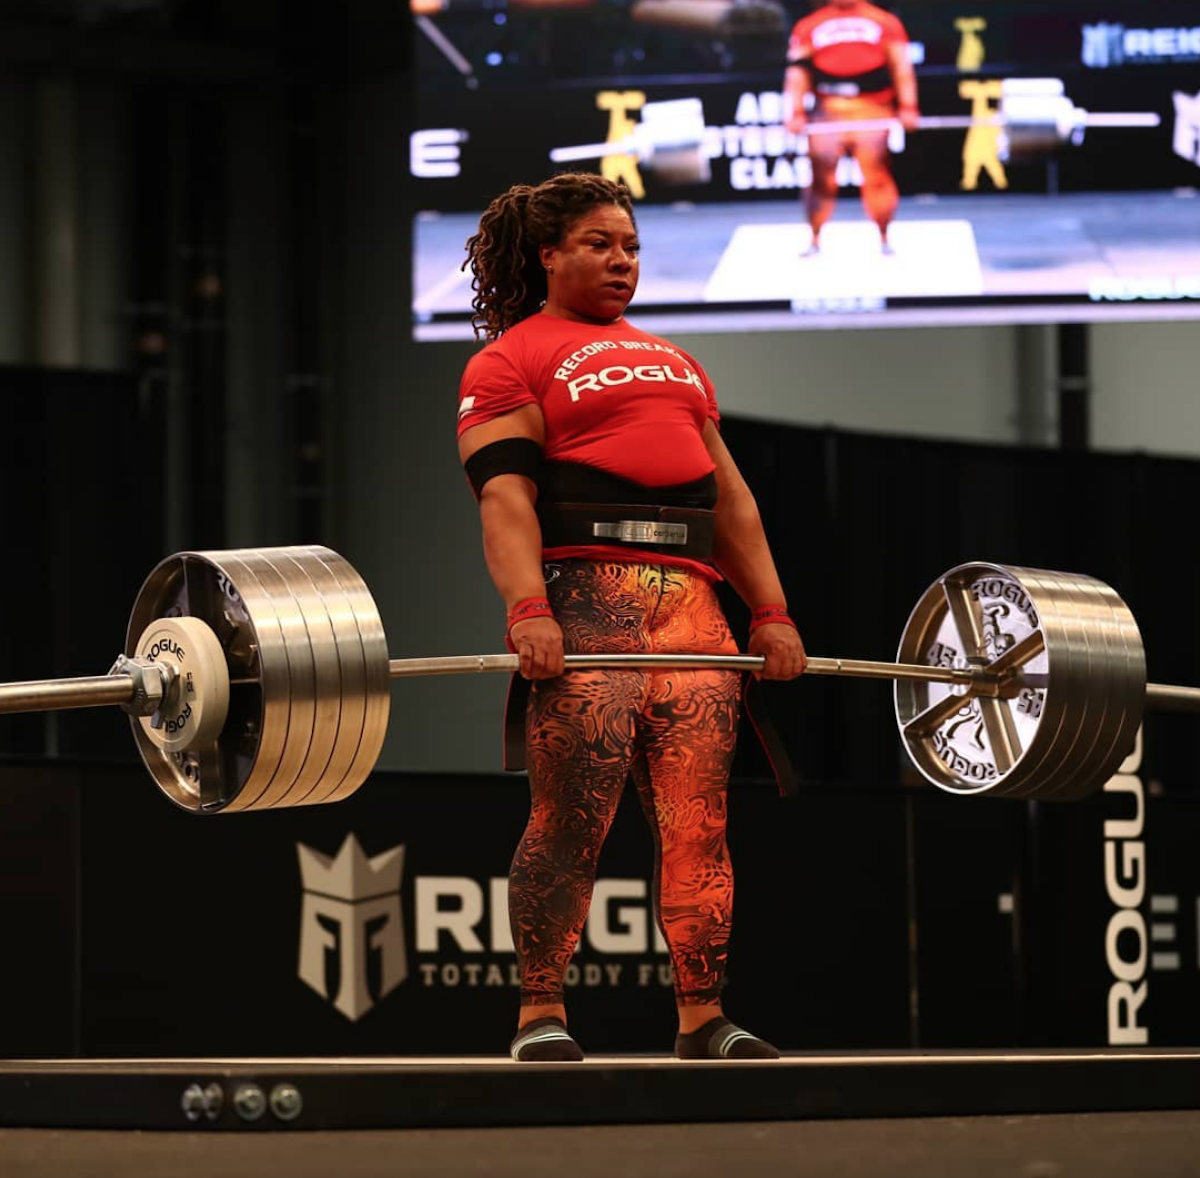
(887, 20)
(520, 354)
(503, 347)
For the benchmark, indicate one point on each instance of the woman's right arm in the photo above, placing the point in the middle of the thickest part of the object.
(512, 540)
(796, 86)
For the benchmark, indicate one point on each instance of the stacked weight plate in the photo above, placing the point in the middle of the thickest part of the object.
(309, 688)
(1066, 658)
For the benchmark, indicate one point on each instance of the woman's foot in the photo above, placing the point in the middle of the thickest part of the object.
(720, 1039)
(545, 1040)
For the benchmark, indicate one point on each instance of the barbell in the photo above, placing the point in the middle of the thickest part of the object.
(1035, 115)
(259, 679)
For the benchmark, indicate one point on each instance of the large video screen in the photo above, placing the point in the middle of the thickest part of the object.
(1050, 175)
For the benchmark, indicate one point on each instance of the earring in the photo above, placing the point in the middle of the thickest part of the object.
(549, 269)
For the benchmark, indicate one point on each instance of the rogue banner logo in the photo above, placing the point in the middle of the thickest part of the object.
(354, 950)
(1125, 883)
(351, 927)
(1110, 45)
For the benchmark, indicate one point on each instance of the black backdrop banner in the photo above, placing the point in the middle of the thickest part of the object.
(82, 481)
(885, 918)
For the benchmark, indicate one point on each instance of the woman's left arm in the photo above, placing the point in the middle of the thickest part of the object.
(742, 554)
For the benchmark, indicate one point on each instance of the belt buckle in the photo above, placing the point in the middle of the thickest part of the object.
(642, 531)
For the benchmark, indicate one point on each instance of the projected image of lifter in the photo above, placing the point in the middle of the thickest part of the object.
(848, 63)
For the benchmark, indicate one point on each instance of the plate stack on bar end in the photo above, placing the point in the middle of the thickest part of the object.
(1078, 696)
(309, 692)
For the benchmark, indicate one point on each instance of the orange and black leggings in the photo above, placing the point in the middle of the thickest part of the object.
(586, 731)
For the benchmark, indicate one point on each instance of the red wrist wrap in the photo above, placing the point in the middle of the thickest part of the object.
(770, 615)
(528, 607)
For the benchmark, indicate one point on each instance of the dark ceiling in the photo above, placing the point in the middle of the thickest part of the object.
(212, 40)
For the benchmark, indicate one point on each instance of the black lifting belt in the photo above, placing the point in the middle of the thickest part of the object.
(850, 85)
(680, 531)
(786, 776)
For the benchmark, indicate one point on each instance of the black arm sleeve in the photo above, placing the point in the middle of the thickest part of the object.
(507, 456)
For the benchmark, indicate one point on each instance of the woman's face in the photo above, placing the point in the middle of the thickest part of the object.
(595, 267)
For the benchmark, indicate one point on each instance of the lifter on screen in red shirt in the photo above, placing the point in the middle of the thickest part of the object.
(852, 58)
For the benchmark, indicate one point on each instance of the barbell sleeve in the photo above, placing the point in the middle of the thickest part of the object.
(56, 695)
(1172, 699)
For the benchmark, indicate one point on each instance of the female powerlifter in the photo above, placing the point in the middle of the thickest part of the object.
(609, 508)
(851, 59)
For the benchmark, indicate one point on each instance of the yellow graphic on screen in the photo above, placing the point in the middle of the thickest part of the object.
(622, 166)
(981, 148)
(971, 53)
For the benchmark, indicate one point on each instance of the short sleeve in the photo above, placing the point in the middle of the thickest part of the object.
(491, 386)
(799, 43)
(894, 32)
(710, 391)
(714, 412)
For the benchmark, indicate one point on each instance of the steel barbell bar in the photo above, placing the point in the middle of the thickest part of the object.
(117, 688)
(260, 679)
(647, 144)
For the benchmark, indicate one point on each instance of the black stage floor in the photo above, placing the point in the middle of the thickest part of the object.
(376, 1093)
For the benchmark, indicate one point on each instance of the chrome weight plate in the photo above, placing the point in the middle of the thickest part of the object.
(958, 740)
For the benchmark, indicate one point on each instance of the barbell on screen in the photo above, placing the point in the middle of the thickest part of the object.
(1034, 115)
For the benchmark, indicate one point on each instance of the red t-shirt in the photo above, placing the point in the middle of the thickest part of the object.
(847, 42)
(612, 397)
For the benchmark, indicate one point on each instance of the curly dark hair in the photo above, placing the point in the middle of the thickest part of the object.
(508, 279)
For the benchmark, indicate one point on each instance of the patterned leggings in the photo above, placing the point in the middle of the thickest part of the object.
(587, 731)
